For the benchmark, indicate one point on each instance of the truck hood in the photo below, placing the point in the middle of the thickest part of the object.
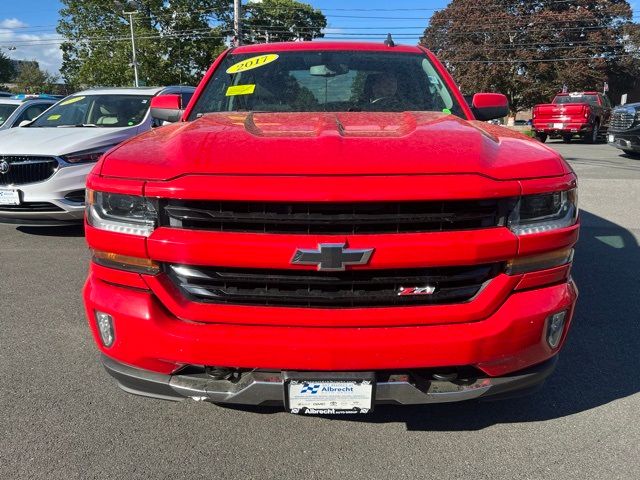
(59, 141)
(352, 143)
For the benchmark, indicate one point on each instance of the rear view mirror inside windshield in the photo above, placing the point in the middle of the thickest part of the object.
(328, 70)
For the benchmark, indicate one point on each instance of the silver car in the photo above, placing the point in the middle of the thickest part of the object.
(13, 112)
(44, 165)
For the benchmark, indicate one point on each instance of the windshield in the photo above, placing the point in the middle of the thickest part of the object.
(105, 111)
(5, 111)
(590, 99)
(328, 81)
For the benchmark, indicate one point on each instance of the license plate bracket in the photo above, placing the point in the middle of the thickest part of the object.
(9, 196)
(329, 393)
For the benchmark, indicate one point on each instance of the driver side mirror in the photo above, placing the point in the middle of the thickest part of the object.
(167, 108)
(489, 106)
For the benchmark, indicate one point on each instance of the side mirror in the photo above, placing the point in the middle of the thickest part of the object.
(167, 108)
(489, 106)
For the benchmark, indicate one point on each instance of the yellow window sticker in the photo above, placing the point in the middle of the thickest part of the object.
(72, 100)
(251, 63)
(53, 117)
(240, 90)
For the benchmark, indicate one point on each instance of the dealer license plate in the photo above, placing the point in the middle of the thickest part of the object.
(612, 138)
(323, 397)
(559, 126)
(9, 197)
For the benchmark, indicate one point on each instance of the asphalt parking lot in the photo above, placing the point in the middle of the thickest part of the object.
(63, 417)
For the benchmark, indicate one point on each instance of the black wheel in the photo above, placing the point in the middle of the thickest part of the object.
(567, 138)
(542, 137)
(593, 136)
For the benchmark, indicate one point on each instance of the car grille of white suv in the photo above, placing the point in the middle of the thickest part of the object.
(20, 170)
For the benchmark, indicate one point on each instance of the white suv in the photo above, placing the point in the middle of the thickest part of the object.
(43, 165)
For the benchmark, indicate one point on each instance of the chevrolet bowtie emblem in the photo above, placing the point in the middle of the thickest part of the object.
(332, 256)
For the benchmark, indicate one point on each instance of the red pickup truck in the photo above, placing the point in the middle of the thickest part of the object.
(330, 226)
(585, 114)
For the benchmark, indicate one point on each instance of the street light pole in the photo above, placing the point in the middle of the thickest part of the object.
(133, 46)
(237, 24)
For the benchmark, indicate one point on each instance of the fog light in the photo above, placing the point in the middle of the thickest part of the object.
(555, 327)
(105, 327)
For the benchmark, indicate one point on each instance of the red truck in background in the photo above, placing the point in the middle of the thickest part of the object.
(330, 226)
(585, 114)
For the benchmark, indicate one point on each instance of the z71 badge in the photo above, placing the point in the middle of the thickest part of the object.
(409, 291)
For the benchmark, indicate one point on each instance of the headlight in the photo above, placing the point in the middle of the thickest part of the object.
(541, 213)
(121, 213)
(86, 156)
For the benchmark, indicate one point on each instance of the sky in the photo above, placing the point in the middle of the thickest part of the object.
(27, 21)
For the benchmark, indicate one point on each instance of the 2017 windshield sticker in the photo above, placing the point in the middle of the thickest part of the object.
(251, 63)
(72, 100)
(447, 111)
(53, 117)
(240, 90)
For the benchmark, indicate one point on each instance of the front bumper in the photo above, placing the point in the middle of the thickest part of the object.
(267, 388)
(52, 191)
(629, 142)
(149, 337)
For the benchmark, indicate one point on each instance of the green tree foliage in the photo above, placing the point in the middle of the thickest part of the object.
(281, 21)
(529, 49)
(7, 70)
(175, 41)
(32, 79)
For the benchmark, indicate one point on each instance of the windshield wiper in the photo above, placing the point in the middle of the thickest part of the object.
(78, 125)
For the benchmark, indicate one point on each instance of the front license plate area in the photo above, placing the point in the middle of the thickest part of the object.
(9, 197)
(324, 395)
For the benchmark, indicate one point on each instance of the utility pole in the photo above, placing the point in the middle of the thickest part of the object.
(133, 46)
(237, 26)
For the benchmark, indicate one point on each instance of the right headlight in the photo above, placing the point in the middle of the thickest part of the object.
(119, 213)
(544, 212)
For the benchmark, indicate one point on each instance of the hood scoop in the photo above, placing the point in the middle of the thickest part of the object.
(349, 124)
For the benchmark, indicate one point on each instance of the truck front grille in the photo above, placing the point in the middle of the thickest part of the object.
(19, 170)
(334, 218)
(309, 288)
(621, 120)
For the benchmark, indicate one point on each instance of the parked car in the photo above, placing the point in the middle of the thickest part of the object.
(43, 166)
(13, 111)
(583, 114)
(330, 226)
(5, 94)
(624, 129)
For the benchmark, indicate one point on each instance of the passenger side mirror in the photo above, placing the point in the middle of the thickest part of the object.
(167, 108)
(489, 106)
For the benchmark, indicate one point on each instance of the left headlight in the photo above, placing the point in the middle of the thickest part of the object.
(541, 213)
(86, 156)
(119, 213)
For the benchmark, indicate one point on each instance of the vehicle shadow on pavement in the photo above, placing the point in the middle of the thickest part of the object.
(60, 231)
(599, 363)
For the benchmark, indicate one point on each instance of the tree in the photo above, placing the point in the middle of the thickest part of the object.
(32, 79)
(7, 70)
(529, 49)
(281, 21)
(175, 42)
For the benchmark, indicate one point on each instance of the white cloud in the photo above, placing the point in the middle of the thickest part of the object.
(43, 47)
(12, 23)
